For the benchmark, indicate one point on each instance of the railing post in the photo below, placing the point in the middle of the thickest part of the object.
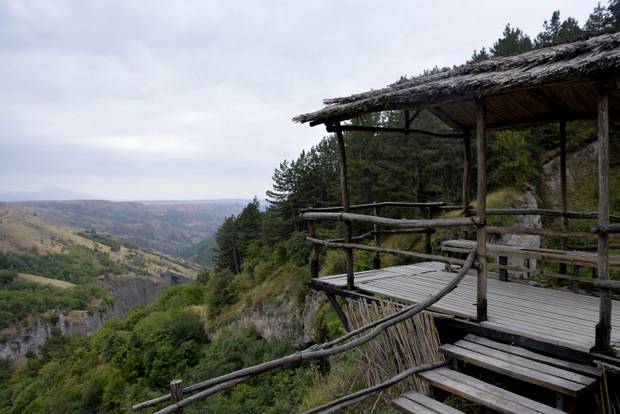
(427, 243)
(602, 341)
(176, 392)
(563, 191)
(377, 238)
(481, 233)
(346, 206)
(314, 261)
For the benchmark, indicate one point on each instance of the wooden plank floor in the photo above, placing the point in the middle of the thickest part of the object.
(553, 316)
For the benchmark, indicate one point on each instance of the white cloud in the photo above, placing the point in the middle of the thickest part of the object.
(194, 99)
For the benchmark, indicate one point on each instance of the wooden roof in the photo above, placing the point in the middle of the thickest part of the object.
(531, 88)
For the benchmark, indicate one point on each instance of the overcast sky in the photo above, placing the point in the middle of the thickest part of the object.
(190, 99)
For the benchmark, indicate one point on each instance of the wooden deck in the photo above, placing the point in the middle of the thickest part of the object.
(553, 316)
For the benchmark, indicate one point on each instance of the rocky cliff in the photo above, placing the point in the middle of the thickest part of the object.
(129, 291)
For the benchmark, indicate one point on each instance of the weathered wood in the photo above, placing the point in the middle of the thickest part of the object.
(339, 404)
(413, 402)
(563, 190)
(520, 367)
(467, 164)
(377, 238)
(395, 252)
(484, 394)
(436, 204)
(481, 234)
(388, 222)
(344, 188)
(603, 328)
(543, 232)
(314, 261)
(533, 356)
(176, 392)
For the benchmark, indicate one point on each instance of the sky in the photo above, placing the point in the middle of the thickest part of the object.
(193, 99)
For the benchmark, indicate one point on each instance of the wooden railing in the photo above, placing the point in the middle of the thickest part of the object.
(389, 226)
(356, 338)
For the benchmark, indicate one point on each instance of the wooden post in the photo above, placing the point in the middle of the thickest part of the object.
(603, 328)
(503, 272)
(314, 261)
(466, 172)
(377, 238)
(346, 206)
(176, 392)
(427, 242)
(481, 211)
(575, 282)
(563, 192)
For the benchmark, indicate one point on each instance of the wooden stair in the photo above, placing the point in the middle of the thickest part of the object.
(570, 380)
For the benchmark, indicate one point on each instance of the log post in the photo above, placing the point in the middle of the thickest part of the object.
(176, 392)
(481, 211)
(603, 328)
(377, 239)
(314, 261)
(466, 175)
(427, 242)
(346, 206)
(563, 192)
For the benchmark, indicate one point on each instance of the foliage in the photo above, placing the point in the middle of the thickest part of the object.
(92, 234)
(516, 164)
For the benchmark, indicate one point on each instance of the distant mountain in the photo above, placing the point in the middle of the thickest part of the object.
(50, 193)
(165, 226)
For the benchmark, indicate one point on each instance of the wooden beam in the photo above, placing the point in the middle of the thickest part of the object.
(481, 234)
(603, 328)
(563, 191)
(344, 189)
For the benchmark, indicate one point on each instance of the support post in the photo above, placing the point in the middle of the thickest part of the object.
(466, 172)
(563, 191)
(314, 261)
(377, 239)
(503, 272)
(176, 392)
(336, 307)
(427, 242)
(602, 341)
(346, 206)
(481, 211)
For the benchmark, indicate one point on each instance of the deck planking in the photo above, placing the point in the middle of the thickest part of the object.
(554, 316)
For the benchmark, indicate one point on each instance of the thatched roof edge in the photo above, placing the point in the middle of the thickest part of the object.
(577, 61)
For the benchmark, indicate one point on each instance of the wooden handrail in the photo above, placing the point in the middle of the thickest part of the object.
(471, 222)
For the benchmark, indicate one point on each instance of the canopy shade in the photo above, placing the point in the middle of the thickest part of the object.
(535, 87)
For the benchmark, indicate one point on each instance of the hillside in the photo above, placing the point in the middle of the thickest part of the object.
(40, 259)
(168, 227)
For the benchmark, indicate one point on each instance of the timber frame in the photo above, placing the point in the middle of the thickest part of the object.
(567, 82)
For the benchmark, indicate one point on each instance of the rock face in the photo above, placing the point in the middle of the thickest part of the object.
(128, 292)
(276, 318)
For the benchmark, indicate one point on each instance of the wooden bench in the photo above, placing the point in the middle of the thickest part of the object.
(503, 252)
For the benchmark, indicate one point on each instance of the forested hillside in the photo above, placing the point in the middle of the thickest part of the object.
(194, 332)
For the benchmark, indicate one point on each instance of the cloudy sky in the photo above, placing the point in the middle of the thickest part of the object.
(193, 99)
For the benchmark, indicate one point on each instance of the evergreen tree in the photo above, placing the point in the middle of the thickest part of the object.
(557, 31)
(600, 20)
(513, 42)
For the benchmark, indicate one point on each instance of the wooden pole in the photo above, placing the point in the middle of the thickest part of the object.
(176, 393)
(481, 234)
(314, 261)
(427, 243)
(377, 239)
(563, 192)
(466, 176)
(346, 206)
(603, 328)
